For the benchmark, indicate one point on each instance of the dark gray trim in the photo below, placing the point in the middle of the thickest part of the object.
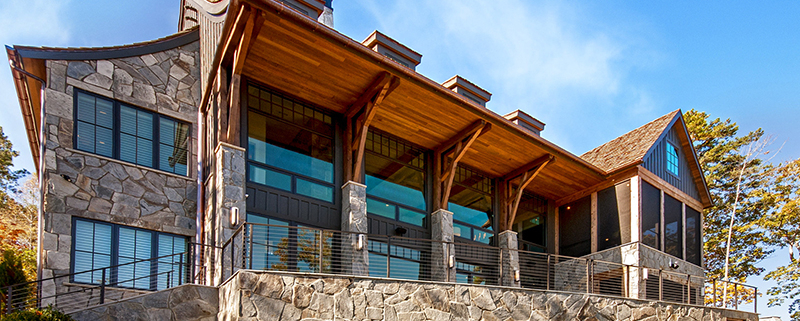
(111, 52)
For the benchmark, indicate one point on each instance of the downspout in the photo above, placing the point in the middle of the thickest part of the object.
(42, 142)
(200, 217)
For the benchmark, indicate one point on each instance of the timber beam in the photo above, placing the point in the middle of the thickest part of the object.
(524, 176)
(449, 153)
(249, 32)
(358, 117)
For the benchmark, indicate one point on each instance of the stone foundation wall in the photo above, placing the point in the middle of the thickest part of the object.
(186, 302)
(252, 295)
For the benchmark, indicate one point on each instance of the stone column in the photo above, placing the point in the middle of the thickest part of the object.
(510, 258)
(354, 220)
(442, 231)
(230, 189)
(635, 274)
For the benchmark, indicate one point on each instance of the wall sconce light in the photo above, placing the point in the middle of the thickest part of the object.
(644, 273)
(451, 262)
(234, 216)
(516, 275)
(360, 242)
(673, 264)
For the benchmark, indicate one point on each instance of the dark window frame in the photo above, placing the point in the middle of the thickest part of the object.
(114, 253)
(117, 131)
(425, 184)
(493, 194)
(333, 136)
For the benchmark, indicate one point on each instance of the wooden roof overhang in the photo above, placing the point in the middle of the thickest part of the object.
(301, 57)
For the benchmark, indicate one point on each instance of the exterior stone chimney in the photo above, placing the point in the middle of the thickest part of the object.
(392, 49)
(525, 121)
(468, 89)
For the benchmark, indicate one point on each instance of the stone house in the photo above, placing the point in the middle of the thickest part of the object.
(259, 164)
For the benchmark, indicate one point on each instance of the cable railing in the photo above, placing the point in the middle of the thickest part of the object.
(84, 289)
(287, 248)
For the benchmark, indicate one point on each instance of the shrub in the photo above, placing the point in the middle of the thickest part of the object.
(46, 314)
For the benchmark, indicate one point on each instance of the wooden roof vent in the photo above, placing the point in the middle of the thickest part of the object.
(392, 49)
(525, 121)
(468, 89)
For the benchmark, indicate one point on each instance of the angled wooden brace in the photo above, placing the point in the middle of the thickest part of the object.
(451, 152)
(526, 174)
(234, 116)
(360, 115)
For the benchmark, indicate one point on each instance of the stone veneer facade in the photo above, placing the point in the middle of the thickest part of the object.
(81, 184)
(186, 302)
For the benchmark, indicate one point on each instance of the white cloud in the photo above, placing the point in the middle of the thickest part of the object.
(553, 59)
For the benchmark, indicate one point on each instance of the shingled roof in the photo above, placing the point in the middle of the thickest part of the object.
(629, 148)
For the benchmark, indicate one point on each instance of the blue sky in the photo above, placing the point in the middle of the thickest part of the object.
(589, 70)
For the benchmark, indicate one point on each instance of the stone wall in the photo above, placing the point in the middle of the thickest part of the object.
(251, 295)
(85, 185)
(186, 302)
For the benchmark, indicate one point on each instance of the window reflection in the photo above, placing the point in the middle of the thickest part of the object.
(289, 146)
(471, 204)
(395, 178)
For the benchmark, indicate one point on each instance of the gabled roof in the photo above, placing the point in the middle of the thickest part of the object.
(633, 148)
(630, 148)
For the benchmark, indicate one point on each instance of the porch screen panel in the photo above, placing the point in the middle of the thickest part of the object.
(613, 216)
(471, 204)
(395, 177)
(694, 236)
(673, 226)
(290, 145)
(532, 214)
(651, 215)
(575, 227)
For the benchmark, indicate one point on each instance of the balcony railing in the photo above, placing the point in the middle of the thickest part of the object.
(80, 290)
(301, 249)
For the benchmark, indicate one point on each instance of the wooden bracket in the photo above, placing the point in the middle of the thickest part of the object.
(358, 118)
(233, 135)
(525, 176)
(449, 153)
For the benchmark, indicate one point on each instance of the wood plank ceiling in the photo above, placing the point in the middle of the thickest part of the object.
(306, 60)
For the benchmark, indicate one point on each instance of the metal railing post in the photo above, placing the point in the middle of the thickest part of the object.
(627, 280)
(588, 276)
(547, 287)
(169, 279)
(736, 296)
(103, 288)
(755, 300)
(688, 289)
(250, 247)
(320, 251)
(660, 285)
(388, 256)
(9, 300)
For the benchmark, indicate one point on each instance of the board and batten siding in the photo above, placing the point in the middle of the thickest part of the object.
(656, 162)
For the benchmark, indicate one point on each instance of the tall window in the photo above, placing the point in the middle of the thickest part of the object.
(694, 236)
(471, 204)
(532, 213)
(673, 226)
(290, 145)
(672, 159)
(145, 259)
(395, 177)
(113, 129)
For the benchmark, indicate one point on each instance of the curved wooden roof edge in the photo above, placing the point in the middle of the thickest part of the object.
(358, 48)
(98, 53)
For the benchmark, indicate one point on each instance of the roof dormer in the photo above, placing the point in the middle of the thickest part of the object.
(526, 121)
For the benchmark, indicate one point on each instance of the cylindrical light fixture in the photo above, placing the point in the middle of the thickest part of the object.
(234, 216)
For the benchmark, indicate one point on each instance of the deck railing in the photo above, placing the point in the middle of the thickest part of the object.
(300, 249)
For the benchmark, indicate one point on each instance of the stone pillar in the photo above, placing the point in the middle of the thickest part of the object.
(354, 220)
(510, 258)
(442, 231)
(230, 190)
(635, 274)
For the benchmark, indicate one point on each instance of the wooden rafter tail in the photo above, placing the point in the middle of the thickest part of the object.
(528, 173)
